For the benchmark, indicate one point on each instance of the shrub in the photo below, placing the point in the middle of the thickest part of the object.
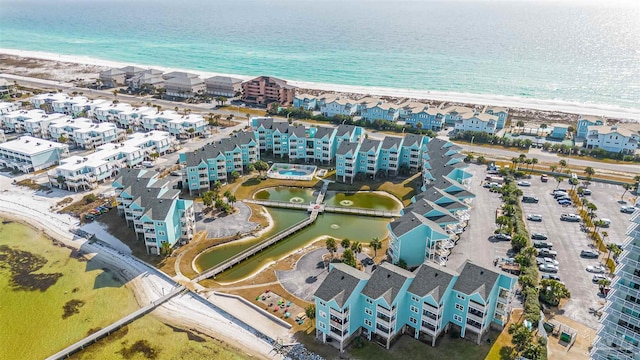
(89, 198)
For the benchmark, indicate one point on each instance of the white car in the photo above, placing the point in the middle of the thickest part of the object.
(551, 261)
(628, 209)
(596, 269)
(534, 217)
(524, 183)
(597, 277)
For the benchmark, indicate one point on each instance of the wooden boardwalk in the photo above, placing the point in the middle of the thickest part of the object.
(87, 341)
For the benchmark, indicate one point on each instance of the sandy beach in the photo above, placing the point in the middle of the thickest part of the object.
(69, 67)
(146, 282)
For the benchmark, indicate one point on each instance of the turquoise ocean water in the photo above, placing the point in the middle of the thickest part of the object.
(567, 51)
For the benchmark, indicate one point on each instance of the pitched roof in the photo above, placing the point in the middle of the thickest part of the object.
(412, 139)
(410, 220)
(340, 283)
(424, 206)
(369, 144)
(323, 131)
(298, 130)
(386, 282)
(431, 279)
(345, 129)
(474, 278)
(434, 194)
(347, 147)
(391, 141)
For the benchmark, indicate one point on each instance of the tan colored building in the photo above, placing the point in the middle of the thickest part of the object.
(265, 89)
(112, 78)
(183, 85)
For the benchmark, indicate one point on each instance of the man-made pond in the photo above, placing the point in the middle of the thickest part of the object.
(340, 226)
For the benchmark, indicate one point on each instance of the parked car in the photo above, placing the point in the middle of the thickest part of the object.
(563, 198)
(551, 261)
(542, 245)
(586, 191)
(176, 173)
(548, 268)
(534, 217)
(590, 254)
(547, 253)
(570, 217)
(502, 237)
(524, 183)
(628, 209)
(605, 223)
(564, 202)
(147, 164)
(597, 277)
(550, 277)
(486, 185)
(597, 269)
(539, 236)
(530, 199)
(560, 195)
(544, 178)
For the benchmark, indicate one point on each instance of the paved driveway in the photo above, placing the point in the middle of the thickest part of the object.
(229, 225)
(568, 240)
(606, 197)
(309, 273)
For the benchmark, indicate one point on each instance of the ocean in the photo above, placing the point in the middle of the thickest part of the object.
(566, 51)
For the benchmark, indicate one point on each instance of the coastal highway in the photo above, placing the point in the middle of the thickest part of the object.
(542, 156)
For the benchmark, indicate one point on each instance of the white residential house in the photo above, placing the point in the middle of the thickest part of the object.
(84, 133)
(37, 101)
(7, 107)
(14, 120)
(39, 126)
(339, 106)
(85, 109)
(477, 122)
(622, 138)
(109, 112)
(65, 106)
(187, 125)
(29, 154)
(132, 118)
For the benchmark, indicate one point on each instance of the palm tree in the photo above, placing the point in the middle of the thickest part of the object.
(248, 116)
(563, 164)
(589, 171)
(543, 126)
(345, 243)
(553, 168)
(229, 118)
(356, 247)
(598, 224)
(115, 94)
(534, 162)
(502, 221)
(331, 246)
(231, 199)
(520, 124)
(591, 207)
(375, 244)
(573, 183)
(626, 188)
(559, 179)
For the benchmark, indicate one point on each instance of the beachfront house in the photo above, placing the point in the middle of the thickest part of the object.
(7, 87)
(584, 121)
(305, 101)
(224, 86)
(339, 106)
(111, 78)
(482, 122)
(264, 90)
(148, 80)
(620, 138)
(155, 211)
(501, 112)
(559, 131)
(421, 116)
(424, 303)
(452, 114)
(28, 154)
(381, 110)
(182, 85)
(216, 161)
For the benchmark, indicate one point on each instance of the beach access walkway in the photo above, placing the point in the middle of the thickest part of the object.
(116, 325)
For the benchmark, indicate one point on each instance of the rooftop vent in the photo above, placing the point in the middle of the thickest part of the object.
(388, 276)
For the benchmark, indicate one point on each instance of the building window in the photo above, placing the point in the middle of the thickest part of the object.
(457, 318)
(322, 325)
(323, 314)
(459, 307)
(460, 296)
(414, 309)
(413, 320)
(161, 233)
(367, 322)
(414, 298)
(369, 301)
(368, 311)
(322, 303)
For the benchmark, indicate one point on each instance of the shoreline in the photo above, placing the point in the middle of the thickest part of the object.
(570, 107)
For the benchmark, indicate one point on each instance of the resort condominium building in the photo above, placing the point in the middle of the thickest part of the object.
(216, 161)
(618, 337)
(424, 303)
(620, 138)
(265, 89)
(153, 209)
(29, 154)
(477, 122)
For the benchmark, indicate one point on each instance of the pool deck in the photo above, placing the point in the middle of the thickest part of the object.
(309, 170)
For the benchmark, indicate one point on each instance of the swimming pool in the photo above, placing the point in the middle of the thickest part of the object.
(291, 171)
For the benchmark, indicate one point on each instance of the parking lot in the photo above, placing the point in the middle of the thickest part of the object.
(568, 240)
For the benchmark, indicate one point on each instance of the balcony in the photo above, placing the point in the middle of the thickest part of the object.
(337, 313)
(611, 327)
(382, 330)
(476, 316)
(473, 326)
(338, 334)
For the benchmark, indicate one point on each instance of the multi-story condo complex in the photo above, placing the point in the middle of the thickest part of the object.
(109, 112)
(423, 303)
(178, 125)
(86, 172)
(223, 86)
(265, 89)
(84, 133)
(34, 122)
(183, 85)
(584, 121)
(618, 337)
(477, 122)
(452, 114)
(147, 80)
(380, 110)
(7, 107)
(421, 115)
(132, 118)
(112, 78)
(215, 161)
(29, 154)
(39, 127)
(620, 138)
(154, 210)
(41, 101)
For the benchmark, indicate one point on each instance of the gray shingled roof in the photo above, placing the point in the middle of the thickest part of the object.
(266, 123)
(340, 283)
(474, 278)
(390, 141)
(324, 131)
(347, 147)
(423, 206)
(410, 220)
(444, 182)
(281, 126)
(298, 130)
(208, 151)
(369, 144)
(411, 139)
(435, 194)
(345, 129)
(386, 282)
(431, 279)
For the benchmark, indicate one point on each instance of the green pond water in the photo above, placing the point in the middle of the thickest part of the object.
(284, 193)
(37, 280)
(353, 227)
(362, 199)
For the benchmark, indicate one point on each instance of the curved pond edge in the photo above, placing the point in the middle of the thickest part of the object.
(379, 192)
(312, 188)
